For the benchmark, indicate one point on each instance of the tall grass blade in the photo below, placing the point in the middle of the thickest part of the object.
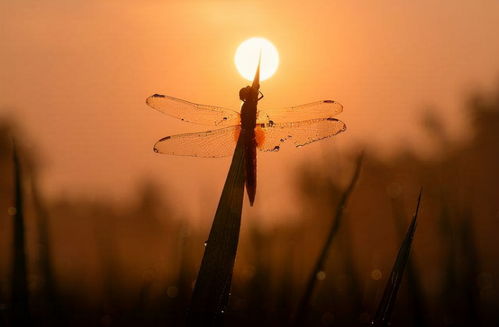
(416, 298)
(211, 292)
(382, 317)
(319, 264)
(50, 292)
(20, 298)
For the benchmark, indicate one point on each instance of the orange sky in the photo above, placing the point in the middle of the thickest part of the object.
(75, 74)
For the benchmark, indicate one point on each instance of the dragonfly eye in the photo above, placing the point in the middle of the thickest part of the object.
(244, 93)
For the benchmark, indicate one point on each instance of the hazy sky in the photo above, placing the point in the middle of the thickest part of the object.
(75, 75)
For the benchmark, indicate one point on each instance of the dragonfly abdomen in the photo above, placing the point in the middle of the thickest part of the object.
(250, 163)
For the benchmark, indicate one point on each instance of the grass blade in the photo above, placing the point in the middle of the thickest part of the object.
(387, 302)
(211, 292)
(416, 298)
(20, 299)
(319, 265)
(53, 307)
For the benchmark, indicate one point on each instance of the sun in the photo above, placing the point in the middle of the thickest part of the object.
(247, 54)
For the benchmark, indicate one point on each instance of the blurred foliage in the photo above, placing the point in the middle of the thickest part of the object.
(135, 263)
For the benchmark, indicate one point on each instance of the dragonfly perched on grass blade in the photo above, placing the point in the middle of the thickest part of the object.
(261, 129)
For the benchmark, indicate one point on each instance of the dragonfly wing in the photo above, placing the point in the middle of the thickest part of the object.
(210, 144)
(309, 111)
(270, 136)
(193, 112)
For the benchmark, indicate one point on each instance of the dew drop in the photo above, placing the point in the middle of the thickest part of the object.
(321, 275)
(376, 274)
(172, 292)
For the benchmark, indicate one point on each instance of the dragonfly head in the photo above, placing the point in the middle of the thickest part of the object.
(244, 93)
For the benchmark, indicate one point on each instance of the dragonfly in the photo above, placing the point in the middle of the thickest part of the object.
(265, 130)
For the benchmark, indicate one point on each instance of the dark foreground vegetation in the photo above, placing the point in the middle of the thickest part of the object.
(91, 263)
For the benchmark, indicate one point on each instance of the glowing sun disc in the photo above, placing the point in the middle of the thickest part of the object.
(247, 54)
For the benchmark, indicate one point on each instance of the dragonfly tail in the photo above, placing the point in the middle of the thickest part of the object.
(251, 195)
(250, 158)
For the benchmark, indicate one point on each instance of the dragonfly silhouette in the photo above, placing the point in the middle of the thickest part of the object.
(257, 129)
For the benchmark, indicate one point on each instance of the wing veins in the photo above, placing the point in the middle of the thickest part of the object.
(192, 112)
(207, 144)
(300, 132)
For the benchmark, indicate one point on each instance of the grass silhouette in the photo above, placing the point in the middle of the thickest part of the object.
(301, 314)
(211, 292)
(385, 308)
(20, 299)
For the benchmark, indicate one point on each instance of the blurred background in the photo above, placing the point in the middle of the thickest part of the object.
(114, 232)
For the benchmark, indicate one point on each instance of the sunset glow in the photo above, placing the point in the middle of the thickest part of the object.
(249, 163)
(247, 54)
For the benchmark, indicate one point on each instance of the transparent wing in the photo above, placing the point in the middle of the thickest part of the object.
(210, 144)
(270, 136)
(193, 112)
(309, 111)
